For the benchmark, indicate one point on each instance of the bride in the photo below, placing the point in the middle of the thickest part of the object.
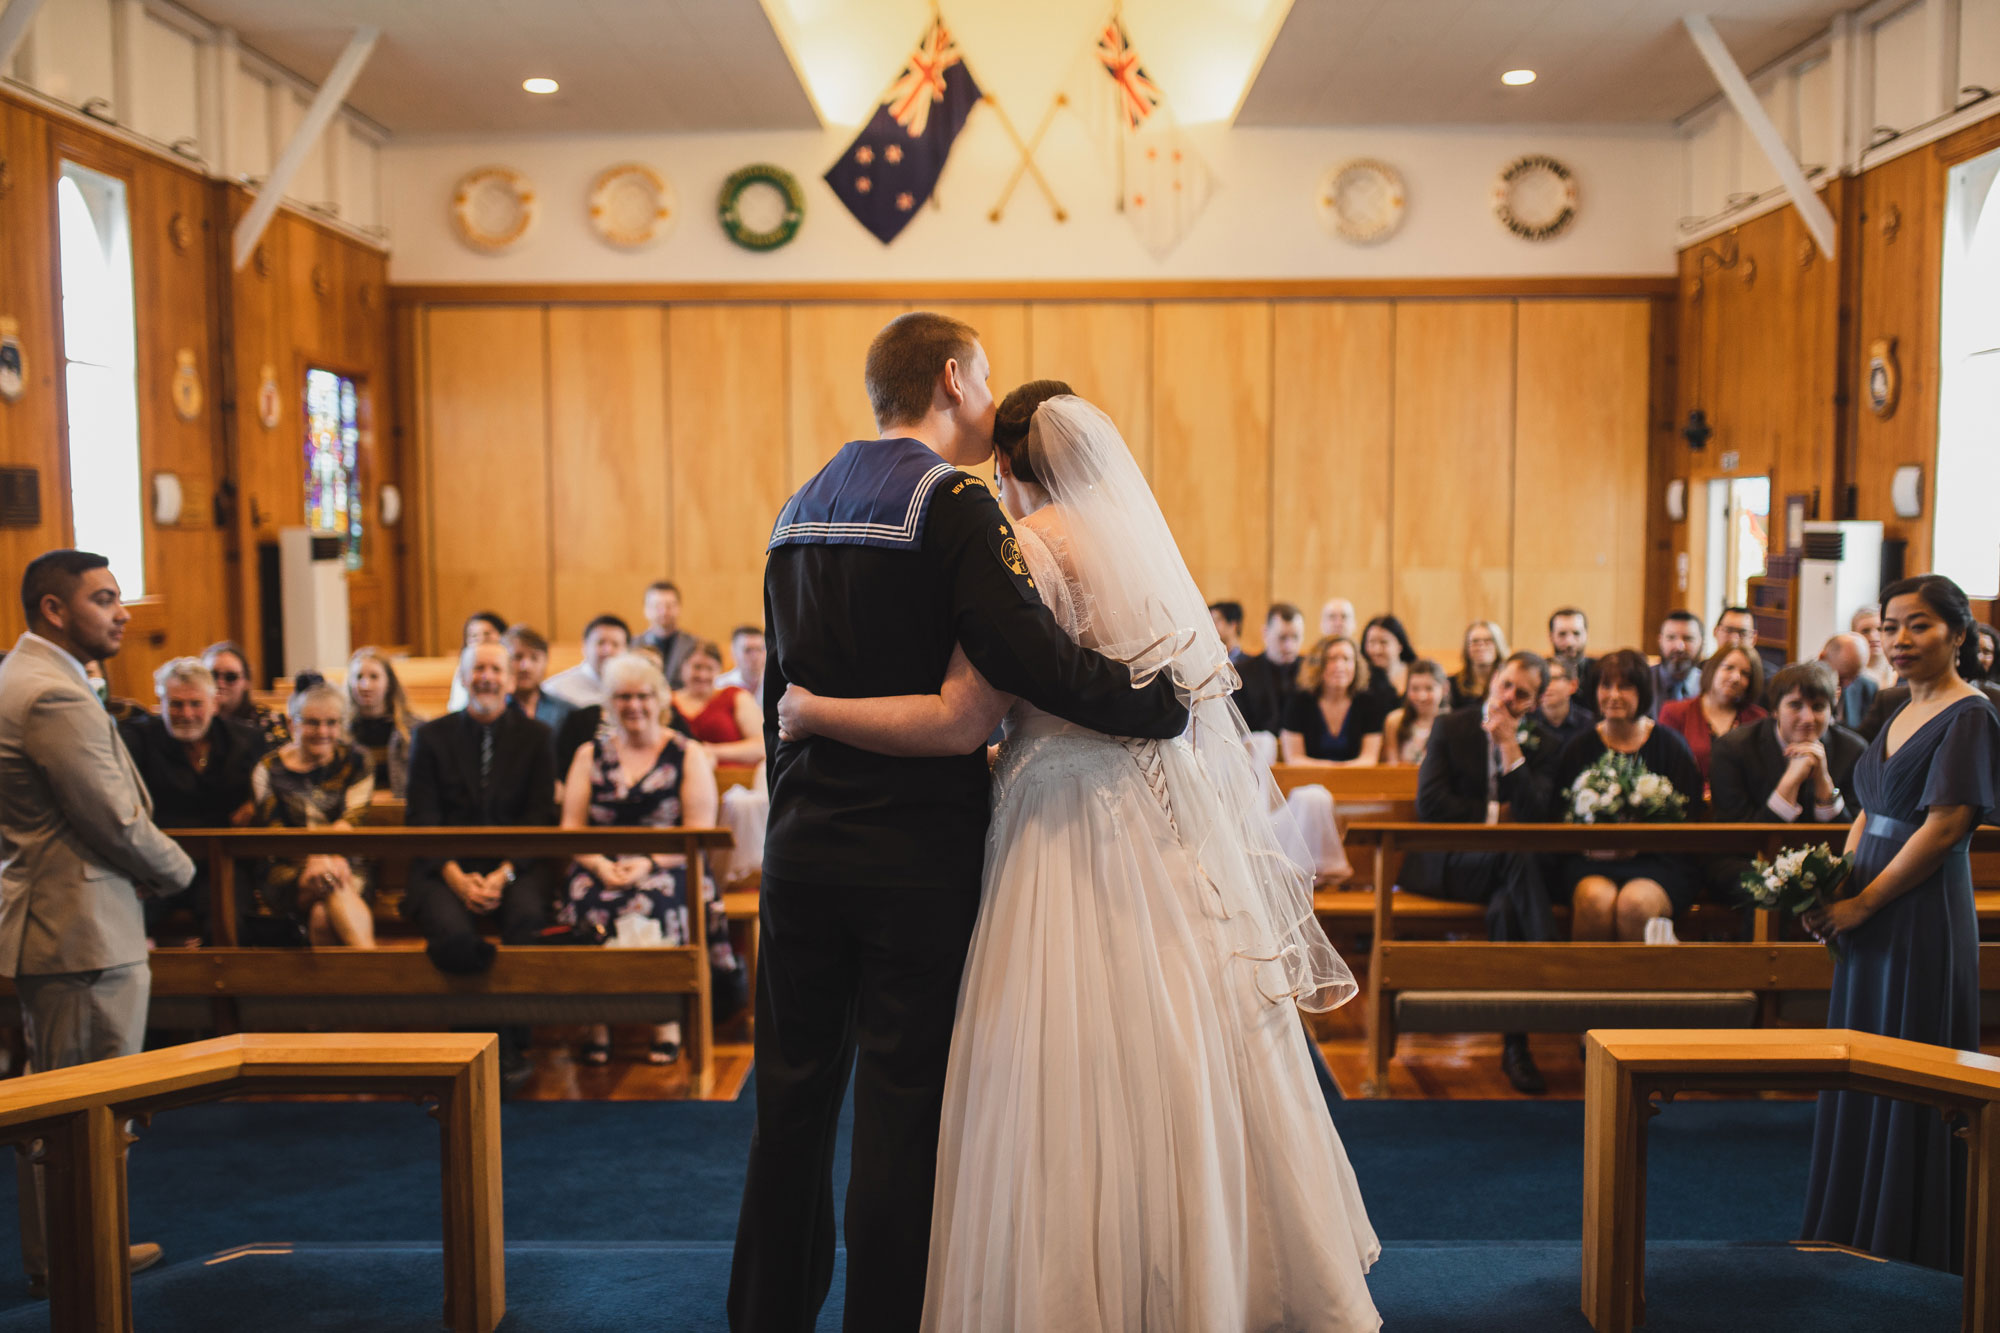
(1133, 1137)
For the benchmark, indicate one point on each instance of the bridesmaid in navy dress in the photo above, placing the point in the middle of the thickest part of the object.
(1887, 1176)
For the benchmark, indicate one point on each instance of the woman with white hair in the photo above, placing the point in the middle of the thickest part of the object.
(317, 780)
(640, 773)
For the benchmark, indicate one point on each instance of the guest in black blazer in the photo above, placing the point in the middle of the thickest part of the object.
(1794, 767)
(489, 765)
(1484, 762)
(1270, 677)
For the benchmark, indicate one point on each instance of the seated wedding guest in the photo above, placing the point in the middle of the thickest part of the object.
(1614, 897)
(1332, 720)
(196, 766)
(1678, 674)
(722, 717)
(1386, 645)
(489, 766)
(528, 654)
(1484, 646)
(479, 627)
(1795, 766)
(1336, 619)
(664, 634)
(382, 722)
(230, 668)
(1736, 627)
(639, 773)
(1867, 622)
(1732, 682)
(583, 684)
(1569, 638)
(1847, 655)
(1269, 677)
(746, 645)
(1488, 762)
(316, 780)
(1407, 730)
(1558, 712)
(1228, 618)
(120, 708)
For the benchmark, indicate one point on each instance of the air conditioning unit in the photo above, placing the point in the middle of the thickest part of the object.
(312, 570)
(1840, 571)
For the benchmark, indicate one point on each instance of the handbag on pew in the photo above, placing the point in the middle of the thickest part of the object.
(584, 934)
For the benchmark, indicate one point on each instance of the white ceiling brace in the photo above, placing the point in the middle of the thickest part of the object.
(325, 104)
(1818, 218)
(14, 21)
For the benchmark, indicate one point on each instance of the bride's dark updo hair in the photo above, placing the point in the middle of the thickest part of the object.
(1010, 425)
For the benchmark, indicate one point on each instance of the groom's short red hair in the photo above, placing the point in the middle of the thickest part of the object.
(905, 360)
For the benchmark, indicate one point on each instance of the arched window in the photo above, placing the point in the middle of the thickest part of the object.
(99, 372)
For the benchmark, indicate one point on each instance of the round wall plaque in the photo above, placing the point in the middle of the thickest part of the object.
(631, 206)
(492, 208)
(1362, 201)
(786, 222)
(1535, 197)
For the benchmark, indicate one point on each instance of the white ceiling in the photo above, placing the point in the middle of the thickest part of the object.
(455, 66)
(1413, 62)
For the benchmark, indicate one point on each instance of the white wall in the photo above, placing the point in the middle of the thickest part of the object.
(1260, 223)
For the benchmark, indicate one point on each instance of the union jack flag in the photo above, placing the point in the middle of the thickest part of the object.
(1137, 97)
(922, 80)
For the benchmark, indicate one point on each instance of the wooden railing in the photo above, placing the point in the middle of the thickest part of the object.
(1625, 1070)
(1762, 965)
(79, 1115)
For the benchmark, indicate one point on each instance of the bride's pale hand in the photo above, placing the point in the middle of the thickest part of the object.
(792, 707)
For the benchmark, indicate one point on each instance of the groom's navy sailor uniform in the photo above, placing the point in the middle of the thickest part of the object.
(877, 567)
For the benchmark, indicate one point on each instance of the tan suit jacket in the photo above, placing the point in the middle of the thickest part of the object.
(77, 838)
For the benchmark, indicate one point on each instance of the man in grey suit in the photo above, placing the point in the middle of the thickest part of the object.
(78, 845)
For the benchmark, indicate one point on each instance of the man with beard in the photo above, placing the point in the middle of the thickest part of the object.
(1677, 675)
(196, 766)
(78, 846)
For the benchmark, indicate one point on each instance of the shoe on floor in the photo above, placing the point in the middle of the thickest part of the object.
(1660, 930)
(1519, 1067)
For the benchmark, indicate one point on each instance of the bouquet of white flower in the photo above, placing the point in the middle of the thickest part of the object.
(1798, 881)
(1619, 789)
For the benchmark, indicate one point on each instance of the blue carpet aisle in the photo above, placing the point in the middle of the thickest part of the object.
(619, 1216)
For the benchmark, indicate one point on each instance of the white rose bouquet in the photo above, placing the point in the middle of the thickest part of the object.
(1798, 881)
(1619, 789)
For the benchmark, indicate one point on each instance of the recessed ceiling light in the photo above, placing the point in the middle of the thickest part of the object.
(1514, 78)
(550, 85)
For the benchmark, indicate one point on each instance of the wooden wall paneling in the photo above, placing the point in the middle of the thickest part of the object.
(1663, 535)
(826, 348)
(30, 426)
(729, 460)
(1452, 525)
(1103, 350)
(486, 460)
(1332, 402)
(1802, 462)
(1902, 240)
(406, 362)
(1582, 381)
(1212, 441)
(610, 529)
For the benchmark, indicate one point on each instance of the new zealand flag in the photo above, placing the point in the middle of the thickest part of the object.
(892, 166)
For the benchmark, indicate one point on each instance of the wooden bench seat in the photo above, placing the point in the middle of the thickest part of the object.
(1625, 1070)
(79, 1114)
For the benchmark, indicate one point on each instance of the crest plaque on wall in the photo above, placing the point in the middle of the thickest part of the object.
(187, 385)
(1885, 380)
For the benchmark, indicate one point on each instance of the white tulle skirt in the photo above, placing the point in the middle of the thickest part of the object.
(1133, 1136)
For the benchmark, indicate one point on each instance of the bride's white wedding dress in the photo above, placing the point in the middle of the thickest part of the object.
(1133, 1135)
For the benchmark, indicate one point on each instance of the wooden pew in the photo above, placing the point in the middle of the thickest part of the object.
(79, 1115)
(1458, 969)
(527, 984)
(1625, 1070)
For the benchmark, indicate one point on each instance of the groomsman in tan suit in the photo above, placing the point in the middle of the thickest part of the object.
(77, 843)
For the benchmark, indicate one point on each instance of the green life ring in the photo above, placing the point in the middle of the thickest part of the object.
(761, 173)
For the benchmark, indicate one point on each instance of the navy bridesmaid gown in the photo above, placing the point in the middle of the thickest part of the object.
(1887, 1176)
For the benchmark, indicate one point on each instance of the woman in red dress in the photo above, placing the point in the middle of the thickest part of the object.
(725, 720)
(1732, 686)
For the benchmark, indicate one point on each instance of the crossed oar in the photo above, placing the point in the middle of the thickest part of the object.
(1027, 163)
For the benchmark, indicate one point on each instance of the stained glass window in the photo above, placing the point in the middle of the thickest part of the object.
(333, 473)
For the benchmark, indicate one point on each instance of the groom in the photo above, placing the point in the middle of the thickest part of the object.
(878, 566)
